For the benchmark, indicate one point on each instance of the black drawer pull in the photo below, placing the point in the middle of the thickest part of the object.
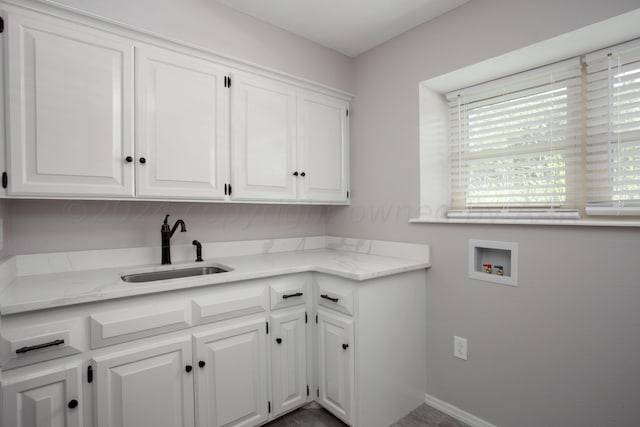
(73, 404)
(39, 346)
(325, 296)
(188, 368)
(345, 346)
(297, 294)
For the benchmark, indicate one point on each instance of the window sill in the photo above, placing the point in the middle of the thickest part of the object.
(529, 221)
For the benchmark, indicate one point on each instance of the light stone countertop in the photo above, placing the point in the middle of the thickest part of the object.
(34, 282)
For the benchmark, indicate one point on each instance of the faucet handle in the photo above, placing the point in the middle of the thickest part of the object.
(165, 219)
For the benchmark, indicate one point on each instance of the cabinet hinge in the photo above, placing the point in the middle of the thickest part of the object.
(5, 180)
(269, 406)
(307, 389)
(1, 25)
(267, 328)
(90, 374)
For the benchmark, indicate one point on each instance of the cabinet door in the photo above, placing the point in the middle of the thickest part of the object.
(323, 147)
(181, 114)
(70, 104)
(231, 384)
(288, 360)
(336, 360)
(263, 123)
(146, 387)
(51, 399)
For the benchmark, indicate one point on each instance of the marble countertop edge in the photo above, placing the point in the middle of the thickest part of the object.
(347, 258)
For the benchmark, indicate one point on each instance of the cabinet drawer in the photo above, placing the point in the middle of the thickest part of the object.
(21, 346)
(335, 295)
(289, 291)
(229, 303)
(114, 327)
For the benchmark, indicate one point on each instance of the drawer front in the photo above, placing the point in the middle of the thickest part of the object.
(331, 293)
(20, 346)
(289, 291)
(114, 327)
(229, 303)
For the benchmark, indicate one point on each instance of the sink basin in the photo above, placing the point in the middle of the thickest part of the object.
(173, 274)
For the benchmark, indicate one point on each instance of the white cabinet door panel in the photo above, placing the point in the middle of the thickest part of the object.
(263, 125)
(232, 385)
(44, 400)
(181, 126)
(146, 387)
(336, 360)
(70, 109)
(323, 147)
(288, 360)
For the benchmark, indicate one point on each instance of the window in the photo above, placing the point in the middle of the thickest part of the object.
(549, 141)
(613, 130)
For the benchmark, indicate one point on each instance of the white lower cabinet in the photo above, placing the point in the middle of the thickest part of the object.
(147, 386)
(232, 355)
(336, 364)
(47, 399)
(231, 382)
(288, 360)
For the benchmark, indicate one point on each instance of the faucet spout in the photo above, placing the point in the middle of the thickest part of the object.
(180, 223)
(166, 233)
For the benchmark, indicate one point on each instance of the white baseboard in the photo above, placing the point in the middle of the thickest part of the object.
(456, 412)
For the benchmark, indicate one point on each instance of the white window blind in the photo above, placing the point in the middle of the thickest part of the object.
(516, 142)
(613, 130)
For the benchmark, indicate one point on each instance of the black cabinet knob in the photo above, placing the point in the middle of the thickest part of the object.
(201, 363)
(303, 174)
(143, 160)
(295, 173)
(345, 346)
(129, 159)
(73, 404)
(188, 368)
(279, 340)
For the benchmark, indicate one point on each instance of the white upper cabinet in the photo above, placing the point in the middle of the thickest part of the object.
(97, 110)
(263, 123)
(70, 98)
(323, 135)
(289, 144)
(181, 126)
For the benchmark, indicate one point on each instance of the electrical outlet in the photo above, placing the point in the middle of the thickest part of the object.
(460, 348)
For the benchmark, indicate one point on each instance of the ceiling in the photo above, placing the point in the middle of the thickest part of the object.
(348, 26)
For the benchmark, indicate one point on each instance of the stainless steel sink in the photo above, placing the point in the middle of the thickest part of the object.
(173, 274)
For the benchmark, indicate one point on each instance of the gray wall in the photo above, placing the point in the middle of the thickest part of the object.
(49, 226)
(4, 214)
(61, 225)
(560, 349)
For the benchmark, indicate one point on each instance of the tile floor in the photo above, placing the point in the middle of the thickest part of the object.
(313, 415)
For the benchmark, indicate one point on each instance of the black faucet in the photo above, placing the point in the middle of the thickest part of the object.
(167, 233)
(198, 246)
